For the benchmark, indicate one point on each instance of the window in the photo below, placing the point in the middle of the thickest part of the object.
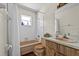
(26, 20)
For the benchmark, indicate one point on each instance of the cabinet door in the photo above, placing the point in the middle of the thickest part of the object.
(49, 51)
(51, 44)
(52, 53)
(77, 53)
(69, 51)
(66, 50)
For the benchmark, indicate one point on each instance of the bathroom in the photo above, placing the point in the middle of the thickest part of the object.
(40, 29)
(36, 30)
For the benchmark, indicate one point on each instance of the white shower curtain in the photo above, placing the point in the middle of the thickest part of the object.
(3, 32)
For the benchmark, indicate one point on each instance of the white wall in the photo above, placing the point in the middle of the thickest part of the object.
(45, 17)
(49, 20)
(69, 20)
(40, 24)
(27, 32)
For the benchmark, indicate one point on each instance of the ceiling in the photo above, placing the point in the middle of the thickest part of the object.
(38, 6)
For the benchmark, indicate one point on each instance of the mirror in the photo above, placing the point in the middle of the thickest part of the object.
(68, 18)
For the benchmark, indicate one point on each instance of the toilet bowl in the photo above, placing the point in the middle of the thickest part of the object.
(39, 50)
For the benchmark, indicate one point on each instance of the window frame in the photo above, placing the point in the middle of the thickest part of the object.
(28, 21)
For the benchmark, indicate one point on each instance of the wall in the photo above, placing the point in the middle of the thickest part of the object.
(27, 32)
(49, 19)
(40, 24)
(69, 20)
(45, 17)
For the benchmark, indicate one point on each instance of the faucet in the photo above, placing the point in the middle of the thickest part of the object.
(66, 35)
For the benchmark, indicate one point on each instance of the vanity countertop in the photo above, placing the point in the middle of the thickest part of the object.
(69, 44)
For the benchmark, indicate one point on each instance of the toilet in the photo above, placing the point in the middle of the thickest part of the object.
(39, 50)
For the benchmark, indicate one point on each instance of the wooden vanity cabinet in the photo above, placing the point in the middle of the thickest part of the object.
(55, 49)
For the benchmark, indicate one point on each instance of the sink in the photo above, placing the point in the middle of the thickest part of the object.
(69, 40)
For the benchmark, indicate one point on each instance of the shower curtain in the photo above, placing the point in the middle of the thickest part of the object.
(3, 32)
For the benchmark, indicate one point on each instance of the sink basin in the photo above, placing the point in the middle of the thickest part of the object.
(69, 40)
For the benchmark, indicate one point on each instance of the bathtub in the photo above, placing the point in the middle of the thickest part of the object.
(27, 46)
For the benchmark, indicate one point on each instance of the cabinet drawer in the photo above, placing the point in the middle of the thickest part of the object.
(61, 49)
(25, 50)
(51, 44)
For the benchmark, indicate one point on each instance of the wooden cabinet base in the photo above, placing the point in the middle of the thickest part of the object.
(55, 49)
